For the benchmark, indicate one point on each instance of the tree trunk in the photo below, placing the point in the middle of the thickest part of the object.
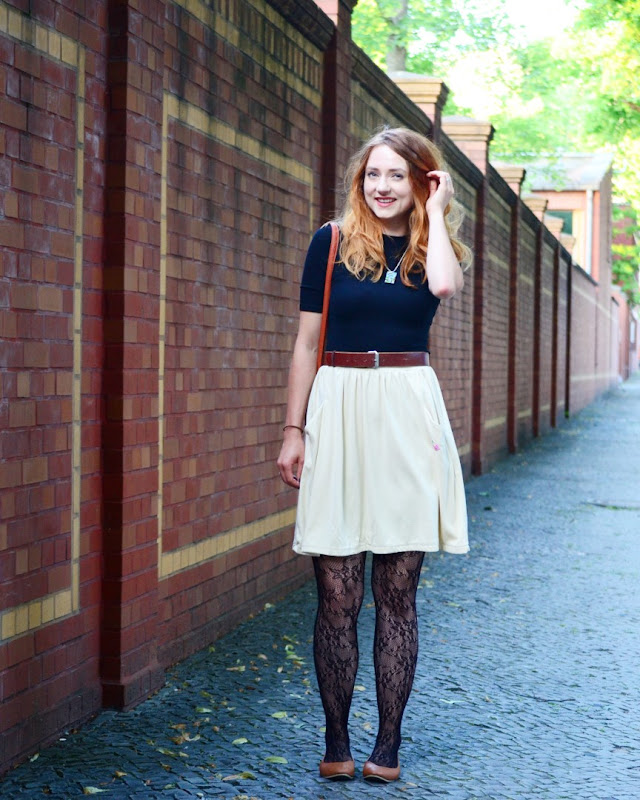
(396, 57)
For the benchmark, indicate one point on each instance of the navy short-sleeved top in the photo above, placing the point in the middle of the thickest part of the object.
(363, 314)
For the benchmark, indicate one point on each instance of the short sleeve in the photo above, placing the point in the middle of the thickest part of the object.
(315, 271)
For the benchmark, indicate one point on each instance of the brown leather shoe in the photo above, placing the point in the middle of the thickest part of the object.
(337, 770)
(375, 774)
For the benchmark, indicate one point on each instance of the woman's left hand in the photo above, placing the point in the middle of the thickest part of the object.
(440, 191)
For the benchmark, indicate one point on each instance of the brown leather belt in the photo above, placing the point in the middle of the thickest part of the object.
(373, 359)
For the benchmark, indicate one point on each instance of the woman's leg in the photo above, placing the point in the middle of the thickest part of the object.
(340, 581)
(394, 580)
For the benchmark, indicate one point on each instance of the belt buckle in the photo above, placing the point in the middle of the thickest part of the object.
(376, 358)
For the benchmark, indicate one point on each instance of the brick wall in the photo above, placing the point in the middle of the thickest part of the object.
(162, 167)
(52, 172)
(585, 315)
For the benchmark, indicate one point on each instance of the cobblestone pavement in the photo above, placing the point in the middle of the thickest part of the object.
(528, 675)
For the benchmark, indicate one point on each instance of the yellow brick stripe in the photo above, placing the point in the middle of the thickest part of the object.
(225, 28)
(29, 32)
(198, 119)
(76, 391)
(30, 616)
(194, 554)
(164, 154)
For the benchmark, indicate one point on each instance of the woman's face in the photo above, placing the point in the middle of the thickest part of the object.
(387, 190)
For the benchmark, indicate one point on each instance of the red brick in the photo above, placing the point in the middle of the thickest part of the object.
(22, 413)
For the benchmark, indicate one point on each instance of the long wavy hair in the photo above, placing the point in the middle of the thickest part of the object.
(361, 249)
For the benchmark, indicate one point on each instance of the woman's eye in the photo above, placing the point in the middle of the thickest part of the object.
(372, 174)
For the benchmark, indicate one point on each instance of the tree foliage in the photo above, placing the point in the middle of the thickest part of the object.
(608, 32)
(626, 252)
(425, 37)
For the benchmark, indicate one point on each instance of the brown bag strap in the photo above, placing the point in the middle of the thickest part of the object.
(331, 260)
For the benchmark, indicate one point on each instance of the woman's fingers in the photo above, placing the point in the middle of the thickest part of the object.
(440, 186)
(290, 468)
(441, 179)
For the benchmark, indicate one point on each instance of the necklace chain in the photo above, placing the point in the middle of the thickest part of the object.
(392, 274)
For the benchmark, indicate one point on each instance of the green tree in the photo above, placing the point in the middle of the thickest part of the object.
(626, 252)
(423, 37)
(608, 34)
(538, 114)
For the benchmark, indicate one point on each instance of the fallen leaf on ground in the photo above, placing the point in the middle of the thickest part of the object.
(241, 776)
(241, 740)
(279, 714)
(276, 760)
(92, 790)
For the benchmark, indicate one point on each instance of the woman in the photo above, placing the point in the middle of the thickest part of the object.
(367, 440)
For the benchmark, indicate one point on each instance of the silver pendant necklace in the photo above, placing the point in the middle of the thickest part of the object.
(392, 274)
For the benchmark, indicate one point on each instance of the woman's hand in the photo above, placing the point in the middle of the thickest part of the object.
(440, 191)
(291, 458)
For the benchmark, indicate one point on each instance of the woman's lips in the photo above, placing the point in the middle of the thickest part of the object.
(385, 201)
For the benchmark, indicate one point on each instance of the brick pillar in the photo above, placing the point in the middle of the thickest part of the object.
(513, 177)
(129, 666)
(336, 106)
(554, 224)
(554, 334)
(538, 206)
(567, 366)
(568, 242)
(429, 94)
(473, 137)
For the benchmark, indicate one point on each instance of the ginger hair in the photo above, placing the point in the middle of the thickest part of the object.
(361, 248)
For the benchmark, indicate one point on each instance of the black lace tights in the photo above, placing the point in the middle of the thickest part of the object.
(340, 580)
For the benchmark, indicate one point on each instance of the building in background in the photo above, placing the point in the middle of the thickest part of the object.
(578, 189)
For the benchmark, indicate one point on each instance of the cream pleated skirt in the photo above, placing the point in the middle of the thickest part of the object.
(381, 469)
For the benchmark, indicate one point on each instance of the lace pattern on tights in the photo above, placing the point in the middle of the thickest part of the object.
(340, 582)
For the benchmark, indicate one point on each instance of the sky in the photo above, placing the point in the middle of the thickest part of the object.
(540, 18)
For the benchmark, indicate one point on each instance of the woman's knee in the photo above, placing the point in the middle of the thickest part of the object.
(340, 582)
(394, 581)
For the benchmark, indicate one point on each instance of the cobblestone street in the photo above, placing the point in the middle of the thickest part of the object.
(527, 682)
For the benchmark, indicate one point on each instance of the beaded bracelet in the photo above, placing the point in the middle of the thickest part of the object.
(297, 427)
